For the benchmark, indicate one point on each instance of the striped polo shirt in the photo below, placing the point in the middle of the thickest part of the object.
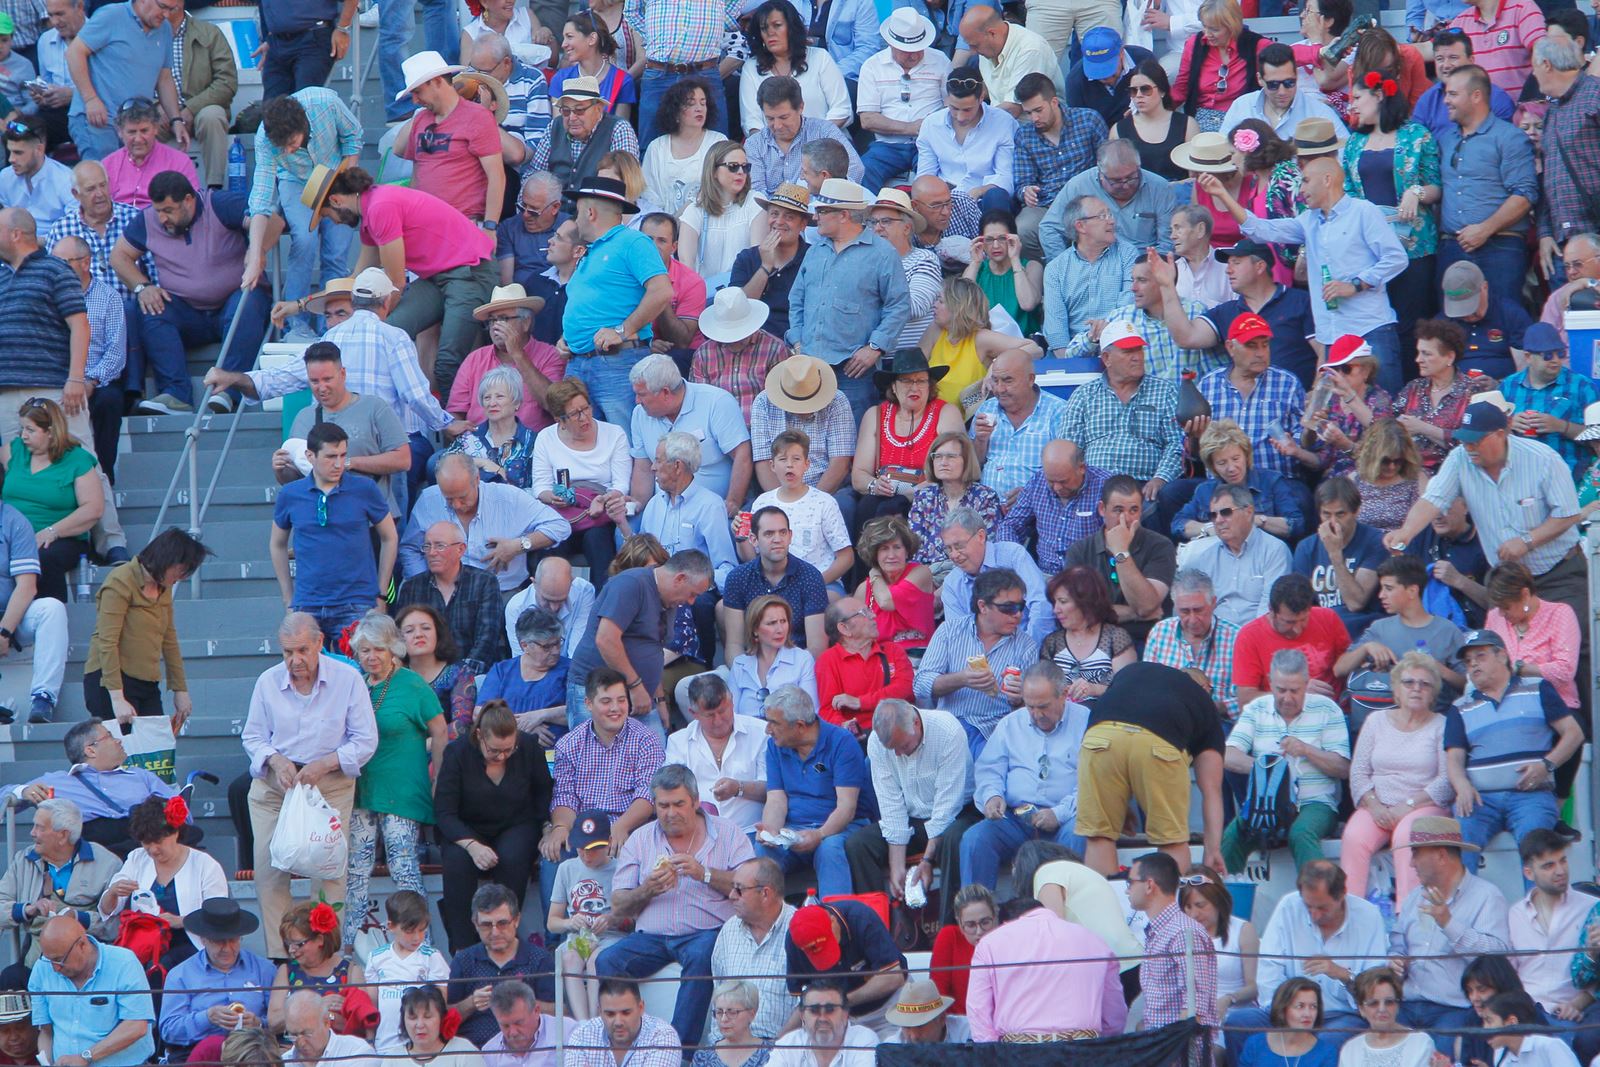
(1503, 47)
(1519, 726)
(35, 301)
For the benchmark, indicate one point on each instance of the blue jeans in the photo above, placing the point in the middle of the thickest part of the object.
(322, 253)
(1427, 1015)
(610, 392)
(885, 161)
(94, 142)
(295, 61)
(861, 392)
(1506, 809)
(975, 740)
(1385, 342)
(163, 339)
(639, 955)
(829, 861)
(332, 619)
(653, 86)
(397, 22)
(994, 841)
(578, 713)
(1503, 260)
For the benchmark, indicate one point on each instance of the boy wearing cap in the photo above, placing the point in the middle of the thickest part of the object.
(1548, 399)
(580, 901)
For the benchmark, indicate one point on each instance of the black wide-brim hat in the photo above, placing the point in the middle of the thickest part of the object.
(907, 361)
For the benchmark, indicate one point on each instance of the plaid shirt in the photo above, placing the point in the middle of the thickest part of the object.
(1015, 452)
(1162, 358)
(176, 63)
(1571, 135)
(335, 133)
(1058, 523)
(737, 953)
(590, 775)
(682, 31)
(657, 1045)
(1164, 974)
(108, 327)
(623, 139)
(72, 225)
(1077, 290)
(1274, 407)
(1166, 644)
(1049, 166)
(28, 16)
(1564, 398)
(690, 906)
(832, 431)
(739, 369)
(380, 360)
(1141, 437)
(474, 613)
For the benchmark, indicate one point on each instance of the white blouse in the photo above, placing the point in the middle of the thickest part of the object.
(673, 182)
(607, 463)
(722, 238)
(744, 758)
(821, 87)
(519, 35)
(198, 880)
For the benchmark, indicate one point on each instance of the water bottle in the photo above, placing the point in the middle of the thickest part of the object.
(236, 180)
(1327, 276)
(811, 896)
(1316, 404)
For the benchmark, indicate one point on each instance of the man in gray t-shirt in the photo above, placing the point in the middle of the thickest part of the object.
(379, 447)
(1408, 627)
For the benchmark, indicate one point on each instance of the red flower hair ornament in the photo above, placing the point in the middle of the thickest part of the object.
(324, 920)
(176, 812)
(449, 1024)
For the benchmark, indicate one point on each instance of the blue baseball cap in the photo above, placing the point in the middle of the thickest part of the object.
(1543, 337)
(1102, 46)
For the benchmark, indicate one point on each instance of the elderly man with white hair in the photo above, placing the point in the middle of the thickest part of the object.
(522, 245)
(310, 723)
(1194, 638)
(59, 872)
(667, 403)
(306, 1023)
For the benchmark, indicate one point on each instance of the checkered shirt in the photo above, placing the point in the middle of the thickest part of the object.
(1141, 437)
(1167, 645)
(832, 431)
(1162, 356)
(590, 775)
(1273, 407)
(176, 63)
(1050, 166)
(1164, 975)
(682, 31)
(1058, 524)
(623, 139)
(1571, 132)
(108, 329)
(72, 225)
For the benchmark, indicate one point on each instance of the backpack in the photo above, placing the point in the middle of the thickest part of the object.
(1269, 807)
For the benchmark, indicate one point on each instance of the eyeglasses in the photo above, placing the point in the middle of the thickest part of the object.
(61, 961)
(1573, 265)
(1224, 513)
(576, 413)
(497, 752)
(737, 890)
(295, 946)
(985, 923)
(821, 1009)
(495, 924)
(905, 88)
(441, 546)
(727, 1013)
(948, 456)
(1104, 216)
(879, 221)
(1121, 183)
(862, 614)
(1279, 84)
(1007, 607)
(737, 168)
(529, 209)
(1417, 683)
(510, 317)
(1141, 90)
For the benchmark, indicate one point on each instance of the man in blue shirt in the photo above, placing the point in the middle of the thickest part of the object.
(1343, 556)
(774, 570)
(966, 539)
(1548, 399)
(1452, 49)
(105, 1016)
(331, 519)
(97, 782)
(225, 973)
(667, 404)
(1495, 320)
(124, 52)
(817, 787)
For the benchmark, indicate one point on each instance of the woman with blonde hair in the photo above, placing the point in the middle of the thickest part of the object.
(724, 219)
(1388, 475)
(959, 338)
(1225, 452)
(1218, 64)
(953, 481)
(626, 168)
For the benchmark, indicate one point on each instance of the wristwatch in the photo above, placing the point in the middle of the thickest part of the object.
(1550, 768)
(707, 876)
(1119, 557)
(526, 543)
(141, 287)
(489, 224)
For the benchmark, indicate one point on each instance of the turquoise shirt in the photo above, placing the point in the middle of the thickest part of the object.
(116, 992)
(608, 284)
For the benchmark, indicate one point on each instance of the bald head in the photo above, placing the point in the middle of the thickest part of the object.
(74, 251)
(87, 172)
(929, 187)
(1013, 363)
(20, 221)
(457, 480)
(446, 533)
(61, 941)
(553, 577)
(985, 30)
(1062, 465)
(306, 1022)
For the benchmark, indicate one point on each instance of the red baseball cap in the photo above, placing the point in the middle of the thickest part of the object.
(1346, 348)
(1248, 327)
(811, 928)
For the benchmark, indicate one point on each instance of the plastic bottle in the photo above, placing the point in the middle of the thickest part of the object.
(236, 175)
(811, 896)
(1327, 276)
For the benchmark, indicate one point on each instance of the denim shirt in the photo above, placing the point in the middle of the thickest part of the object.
(1479, 171)
(845, 299)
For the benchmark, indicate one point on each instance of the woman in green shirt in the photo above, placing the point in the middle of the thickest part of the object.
(51, 478)
(1008, 280)
(394, 794)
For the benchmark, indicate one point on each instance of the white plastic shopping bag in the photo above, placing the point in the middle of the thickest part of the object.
(149, 743)
(309, 839)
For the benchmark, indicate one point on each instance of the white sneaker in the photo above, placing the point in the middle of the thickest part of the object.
(369, 17)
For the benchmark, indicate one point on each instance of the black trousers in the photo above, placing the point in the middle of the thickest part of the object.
(518, 849)
(868, 854)
(105, 419)
(239, 812)
(144, 696)
(57, 562)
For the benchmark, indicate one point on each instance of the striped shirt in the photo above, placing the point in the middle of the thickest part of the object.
(35, 302)
(528, 97)
(691, 905)
(72, 224)
(1167, 645)
(335, 133)
(684, 31)
(1518, 726)
(1503, 47)
(925, 279)
(1534, 486)
(29, 17)
(1272, 409)
(1141, 437)
(953, 644)
(1261, 731)
(380, 360)
(1163, 358)
(1015, 452)
(738, 954)
(108, 326)
(1077, 290)
(590, 774)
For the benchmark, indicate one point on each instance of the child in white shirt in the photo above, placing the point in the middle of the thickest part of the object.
(820, 537)
(581, 900)
(407, 958)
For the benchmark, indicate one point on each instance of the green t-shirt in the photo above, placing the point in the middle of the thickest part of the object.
(395, 779)
(48, 496)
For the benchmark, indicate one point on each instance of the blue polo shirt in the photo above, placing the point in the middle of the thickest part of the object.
(1288, 312)
(1491, 339)
(711, 416)
(810, 783)
(608, 285)
(116, 992)
(1519, 726)
(333, 557)
(127, 58)
(801, 585)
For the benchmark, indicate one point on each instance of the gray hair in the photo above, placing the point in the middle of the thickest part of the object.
(1291, 663)
(827, 156)
(459, 462)
(298, 623)
(689, 561)
(1077, 210)
(674, 776)
(893, 716)
(1590, 239)
(741, 993)
(1190, 580)
(1240, 496)
(505, 378)
(367, 303)
(707, 690)
(1563, 55)
(537, 625)
(1047, 671)
(503, 996)
(964, 518)
(131, 112)
(680, 447)
(306, 1001)
(1194, 215)
(657, 373)
(64, 815)
(80, 737)
(795, 704)
(1120, 150)
(493, 44)
(542, 181)
(377, 630)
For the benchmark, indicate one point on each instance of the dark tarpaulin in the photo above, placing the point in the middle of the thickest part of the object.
(1171, 1045)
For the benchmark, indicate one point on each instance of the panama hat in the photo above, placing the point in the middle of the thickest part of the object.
(1315, 137)
(908, 31)
(582, 87)
(841, 194)
(1436, 831)
(790, 197)
(507, 296)
(317, 302)
(471, 83)
(920, 1002)
(423, 67)
(1591, 423)
(314, 194)
(900, 201)
(733, 316)
(1208, 153)
(801, 385)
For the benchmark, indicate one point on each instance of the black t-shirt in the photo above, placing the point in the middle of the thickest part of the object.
(776, 295)
(865, 948)
(1164, 701)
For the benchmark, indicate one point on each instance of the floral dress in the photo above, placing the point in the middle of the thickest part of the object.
(1416, 162)
(1416, 398)
(929, 508)
(1337, 463)
(1279, 198)
(457, 689)
(1384, 507)
(516, 455)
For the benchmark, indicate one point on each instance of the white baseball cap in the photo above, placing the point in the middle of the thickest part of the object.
(373, 282)
(1119, 333)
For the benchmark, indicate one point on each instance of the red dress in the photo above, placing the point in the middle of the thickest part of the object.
(911, 451)
(952, 949)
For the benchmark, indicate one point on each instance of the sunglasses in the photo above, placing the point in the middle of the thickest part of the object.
(1141, 90)
(737, 168)
(1279, 84)
(905, 88)
(1223, 513)
(135, 103)
(1007, 607)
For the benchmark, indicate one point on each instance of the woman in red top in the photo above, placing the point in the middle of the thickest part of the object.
(898, 591)
(895, 436)
(1218, 64)
(976, 915)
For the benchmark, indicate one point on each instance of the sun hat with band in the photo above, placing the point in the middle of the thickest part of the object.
(802, 385)
(1439, 831)
(1208, 153)
(314, 194)
(790, 197)
(506, 297)
(919, 1003)
(898, 200)
(811, 929)
(733, 316)
(908, 31)
(841, 194)
(582, 88)
(1315, 137)
(1248, 327)
(423, 67)
(471, 83)
(1591, 423)
(603, 189)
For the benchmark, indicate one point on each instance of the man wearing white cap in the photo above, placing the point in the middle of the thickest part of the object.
(900, 86)
(737, 354)
(453, 144)
(586, 132)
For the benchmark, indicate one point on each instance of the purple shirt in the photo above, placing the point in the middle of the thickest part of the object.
(335, 718)
(689, 906)
(610, 778)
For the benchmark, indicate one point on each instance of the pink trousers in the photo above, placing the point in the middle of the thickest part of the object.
(1363, 838)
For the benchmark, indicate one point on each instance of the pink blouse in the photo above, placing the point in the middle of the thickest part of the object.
(1397, 764)
(1551, 644)
(1211, 96)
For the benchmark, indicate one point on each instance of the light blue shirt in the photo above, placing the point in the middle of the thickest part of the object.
(1037, 617)
(115, 993)
(183, 1014)
(1242, 579)
(852, 34)
(1024, 765)
(1355, 243)
(1306, 105)
(985, 157)
(1422, 14)
(1362, 941)
(1016, 452)
(845, 299)
(791, 666)
(504, 511)
(1144, 222)
(696, 518)
(574, 614)
(711, 416)
(1077, 290)
(47, 195)
(125, 58)
(607, 285)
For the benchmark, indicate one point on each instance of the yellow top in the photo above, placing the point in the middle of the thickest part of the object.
(134, 634)
(965, 366)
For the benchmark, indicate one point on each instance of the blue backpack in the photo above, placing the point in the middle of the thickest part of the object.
(1269, 808)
